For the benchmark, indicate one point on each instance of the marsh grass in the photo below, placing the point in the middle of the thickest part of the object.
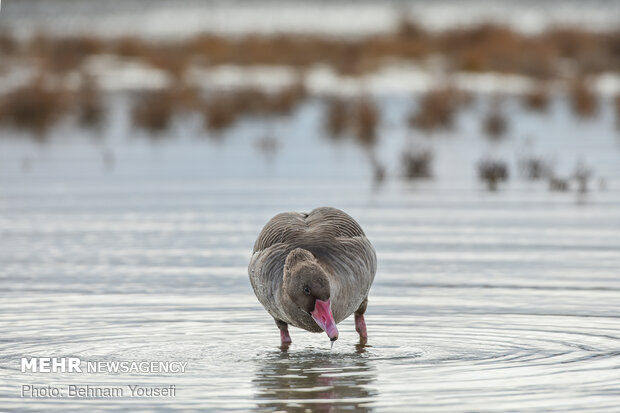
(481, 48)
(222, 109)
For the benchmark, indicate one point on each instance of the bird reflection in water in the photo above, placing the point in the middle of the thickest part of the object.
(317, 382)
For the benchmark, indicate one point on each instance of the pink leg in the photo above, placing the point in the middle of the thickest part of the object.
(360, 326)
(285, 338)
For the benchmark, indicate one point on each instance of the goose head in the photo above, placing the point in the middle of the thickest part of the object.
(307, 286)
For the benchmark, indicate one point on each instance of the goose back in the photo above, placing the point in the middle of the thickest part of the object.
(338, 243)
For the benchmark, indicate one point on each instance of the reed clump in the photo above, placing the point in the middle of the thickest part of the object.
(537, 99)
(129, 46)
(153, 110)
(223, 108)
(582, 175)
(168, 58)
(558, 184)
(63, 54)
(286, 100)
(492, 172)
(365, 121)
(417, 164)
(9, 46)
(337, 116)
(495, 124)
(34, 107)
(89, 104)
(584, 101)
(535, 168)
(409, 29)
(220, 112)
(437, 109)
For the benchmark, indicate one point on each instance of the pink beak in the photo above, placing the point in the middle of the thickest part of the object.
(322, 314)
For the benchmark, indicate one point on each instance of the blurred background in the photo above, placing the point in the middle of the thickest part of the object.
(404, 90)
(143, 144)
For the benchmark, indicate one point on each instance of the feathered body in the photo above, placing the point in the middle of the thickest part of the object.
(337, 244)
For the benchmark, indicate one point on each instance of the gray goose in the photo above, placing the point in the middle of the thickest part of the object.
(313, 270)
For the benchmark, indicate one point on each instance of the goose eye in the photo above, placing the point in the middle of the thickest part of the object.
(306, 290)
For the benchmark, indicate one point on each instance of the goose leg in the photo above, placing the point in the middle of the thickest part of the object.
(360, 323)
(285, 338)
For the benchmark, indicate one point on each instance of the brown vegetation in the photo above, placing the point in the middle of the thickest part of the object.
(153, 110)
(495, 124)
(583, 99)
(480, 48)
(437, 109)
(287, 99)
(34, 107)
(220, 112)
(337, 116)
(62, 54)
(485, 47)
(8, 44)
(222, 109)
(366, 119)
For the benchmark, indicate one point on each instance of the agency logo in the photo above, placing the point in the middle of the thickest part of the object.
(76, 365)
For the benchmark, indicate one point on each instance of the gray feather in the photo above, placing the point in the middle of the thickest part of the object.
(338, 243)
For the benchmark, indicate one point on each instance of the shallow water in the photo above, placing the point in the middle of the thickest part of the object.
(482, 301)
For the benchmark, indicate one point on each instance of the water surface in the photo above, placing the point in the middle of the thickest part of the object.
(482, 301)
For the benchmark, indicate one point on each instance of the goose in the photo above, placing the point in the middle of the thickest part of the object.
(313, 270)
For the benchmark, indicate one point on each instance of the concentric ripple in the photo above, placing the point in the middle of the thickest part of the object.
(502, 303)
